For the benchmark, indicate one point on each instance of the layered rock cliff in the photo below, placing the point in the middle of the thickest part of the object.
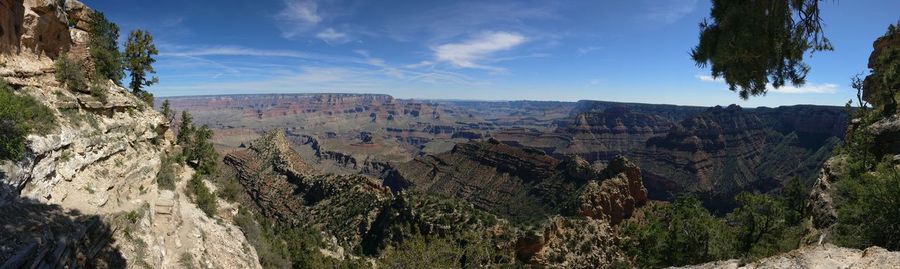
(86, 191)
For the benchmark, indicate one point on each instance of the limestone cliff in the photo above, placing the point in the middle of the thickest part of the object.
(86, 191)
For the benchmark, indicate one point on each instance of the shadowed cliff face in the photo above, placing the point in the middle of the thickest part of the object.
(40, 235)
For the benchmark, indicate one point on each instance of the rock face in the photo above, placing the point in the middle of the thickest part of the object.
(523, 184)
(714, 153)
(87, 190)
(33, 26)
(874, 91)
(287, 190)
(825, 256)
(571, 243)
(616, 197)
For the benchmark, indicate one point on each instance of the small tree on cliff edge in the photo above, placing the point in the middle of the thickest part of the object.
(139, 52)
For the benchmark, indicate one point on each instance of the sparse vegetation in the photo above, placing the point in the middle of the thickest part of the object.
(20, 115)
(166, 177)
(202, 196)
(197, 149)
(70, 74)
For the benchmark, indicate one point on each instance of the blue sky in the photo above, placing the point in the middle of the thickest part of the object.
(632, 51)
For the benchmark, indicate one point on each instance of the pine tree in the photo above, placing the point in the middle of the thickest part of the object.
(139, 52)
(753, 44)
(167, 111)
(186, 131)
(104, 49)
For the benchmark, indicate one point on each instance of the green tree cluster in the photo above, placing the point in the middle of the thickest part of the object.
(868, 209)
(197, 149)
(20, 115)
(686, 233)
(104, 48)
(287, 247)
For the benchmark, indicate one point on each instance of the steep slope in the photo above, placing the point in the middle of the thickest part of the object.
(460, 202)
(714, 153)
(87, 189)
(525, 185)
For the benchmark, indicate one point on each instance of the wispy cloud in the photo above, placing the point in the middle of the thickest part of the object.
(332, 36)
(469, 53)
(827, 88)
(444, 23)
(590, 49)
(298, 17)
(669, 11)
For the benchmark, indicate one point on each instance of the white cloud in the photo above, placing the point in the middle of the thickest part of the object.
(669, 11)
(708, 78)
(469, 53)
(827, 88)
(332, 36)
(298, 16)
(587, 50)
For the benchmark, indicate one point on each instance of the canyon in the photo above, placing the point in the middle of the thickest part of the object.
(713, 153)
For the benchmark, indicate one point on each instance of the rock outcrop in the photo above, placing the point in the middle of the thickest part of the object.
(290, 192)
(36, 27)
(824, 256)
(86, 192)
(571, 243)
(616, 197)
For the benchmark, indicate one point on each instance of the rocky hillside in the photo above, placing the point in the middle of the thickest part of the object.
(522, 184)
(489, 192)
(84, 194)
(714, 153)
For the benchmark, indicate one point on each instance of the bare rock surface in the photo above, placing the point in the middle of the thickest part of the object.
(816, 257)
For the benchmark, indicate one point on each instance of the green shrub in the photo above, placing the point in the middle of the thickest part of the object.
(286, 247)
(230, 189)
(868, 209)
(70, 74)
(760, 223)
(166, 177)
(20, 115)
(686, 233)
(202, 196)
